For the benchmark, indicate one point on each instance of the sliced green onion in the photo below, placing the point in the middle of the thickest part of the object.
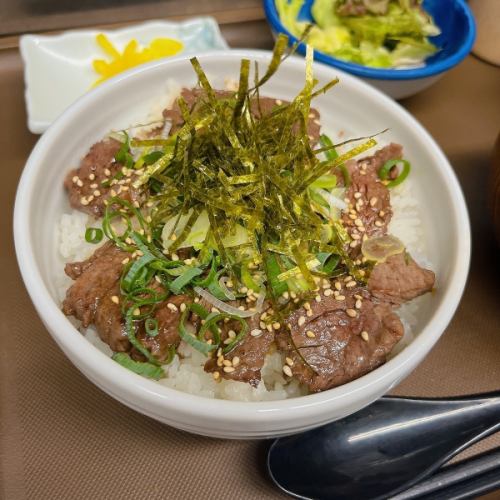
(123, 155)
(93, 235)
(273, 270)
(151, 327)
(331, 154)
(190, 338)
(239, 337)
(215, 289)
(328, 262)
(181, 281)
(210, 276)
(148, 370)
(134, 273)
(384, 171)
(130, 329)
(153, 157)
(327, 181)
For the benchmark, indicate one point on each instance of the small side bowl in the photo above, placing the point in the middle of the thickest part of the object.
(353, 105)
(458, 32)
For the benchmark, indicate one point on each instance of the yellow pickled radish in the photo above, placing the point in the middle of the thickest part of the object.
(132, 55)
(380, 248)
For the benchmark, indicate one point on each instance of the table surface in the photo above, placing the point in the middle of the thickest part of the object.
(61, 437)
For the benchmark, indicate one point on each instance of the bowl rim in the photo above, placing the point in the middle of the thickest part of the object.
(425, 71)
(138, 391)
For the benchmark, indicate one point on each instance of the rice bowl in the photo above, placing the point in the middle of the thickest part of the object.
(230, 419)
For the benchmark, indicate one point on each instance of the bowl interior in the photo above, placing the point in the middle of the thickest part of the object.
(452, 16)
(351, 107)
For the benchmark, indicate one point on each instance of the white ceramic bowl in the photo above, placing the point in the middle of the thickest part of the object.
(357, 107)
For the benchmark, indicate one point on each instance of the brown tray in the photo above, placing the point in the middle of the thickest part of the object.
(61, 437)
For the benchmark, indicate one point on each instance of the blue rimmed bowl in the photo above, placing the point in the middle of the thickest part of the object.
(458, 32)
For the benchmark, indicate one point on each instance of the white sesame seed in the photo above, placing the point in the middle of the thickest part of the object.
(75, 179)
(289, 361)
(172, 307)
(174, 257)
(91, 177)
(293, 295)
(107, 172)
(310, 334)
(355, 236)
(309, 313)
(228, 369)
(364, 336)
(379, 223)
(328, 292)
(358, 222)
(79, 183)
(340, 297)
(354, 243)
(236, 361)
(269, 327)
(381, 213)
(276, 326)
(279, 102)
(373, 201)
(351, 313)
(182, 307)
(214, 310)
(216, 375)
(285, 295)
(125, 260)
(357, 195)
(350, 284)
(115, 299)
(137, 311)
(262, 325)
(358, 304)
(256, 332)
(226, 362)
(287, 371)
(301, 320)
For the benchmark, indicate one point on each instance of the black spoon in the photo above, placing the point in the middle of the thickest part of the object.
(383, 449)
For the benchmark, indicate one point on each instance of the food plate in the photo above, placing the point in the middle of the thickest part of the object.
(58, 69)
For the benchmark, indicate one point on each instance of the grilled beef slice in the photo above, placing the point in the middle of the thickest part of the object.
(84, 184)
(369, 198)
(339, 340)
(399, 279)
(94, 279)
(251, 351)
(94, 298)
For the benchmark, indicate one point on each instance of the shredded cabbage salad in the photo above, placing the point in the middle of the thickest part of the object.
(376, 33)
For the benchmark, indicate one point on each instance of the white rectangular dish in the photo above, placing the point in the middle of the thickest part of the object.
(58, 68)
